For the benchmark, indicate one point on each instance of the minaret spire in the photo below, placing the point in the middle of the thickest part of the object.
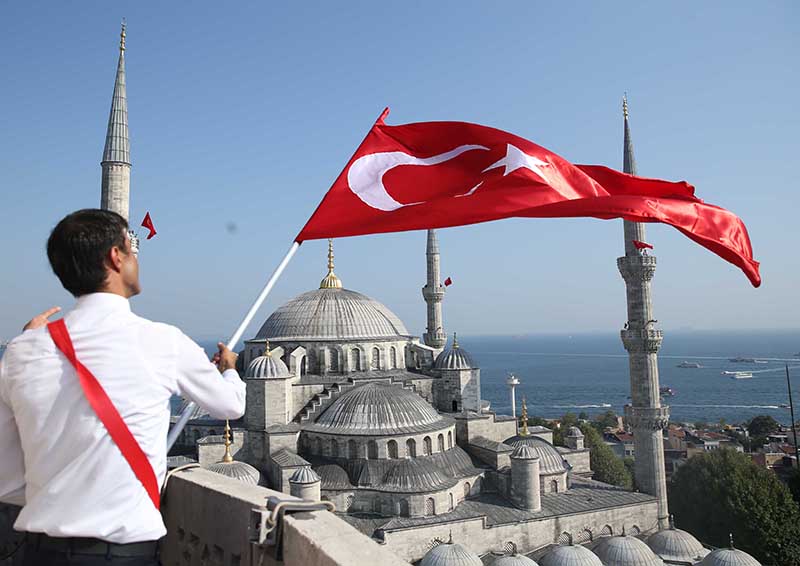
(116, 163)
(645, 415)
(433, 293)
(330, 281)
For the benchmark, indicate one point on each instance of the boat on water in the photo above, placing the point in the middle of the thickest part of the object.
(693, 365)
(741, 360)
(738, 374)
(666, 391)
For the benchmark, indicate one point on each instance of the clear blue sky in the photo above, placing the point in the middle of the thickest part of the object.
(246, 112)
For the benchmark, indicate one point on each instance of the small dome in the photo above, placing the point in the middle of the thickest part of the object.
(266, 367)
(236, 470)
(454, 358)
(416, 475)
(551, 461)
(379, 409)
(574, 432)
(514, 560)
(524, 452)
(570, 555)
(304, 475)
(729, 557)
(626, 551)
(676, 545)
(450, 554)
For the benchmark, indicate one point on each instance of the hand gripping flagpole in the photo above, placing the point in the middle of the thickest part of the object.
(176, 430)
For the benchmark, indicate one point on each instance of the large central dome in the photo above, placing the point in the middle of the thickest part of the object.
(379, 409)
(332, 314)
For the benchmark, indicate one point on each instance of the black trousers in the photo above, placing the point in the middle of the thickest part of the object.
(41, 550)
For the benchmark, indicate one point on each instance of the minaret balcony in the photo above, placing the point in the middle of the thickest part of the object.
(433, 293)
(642, 339)
(637, 268)
(647, 418)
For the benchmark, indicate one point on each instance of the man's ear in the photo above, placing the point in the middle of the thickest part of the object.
(115, 259)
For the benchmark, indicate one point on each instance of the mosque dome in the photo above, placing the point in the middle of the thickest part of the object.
(454, 358)
(332, 314)
(625, 551)
(513, 560)
(304, 475)
(570, 555)
(378, 409)
(236, 470)
(676, 545)
(267, 367)
(550, 460)
(729, 557)
(415, 475)
(450, 554)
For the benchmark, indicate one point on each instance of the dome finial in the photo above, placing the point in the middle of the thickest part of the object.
(672, 521)
(450, 541)
(730, 537)
(625, 105)
(455, 341)
(227, 458)
(523, 431)
(122, 36)
(330, 281)
(266, 351)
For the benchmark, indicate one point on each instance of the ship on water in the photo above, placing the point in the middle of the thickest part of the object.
(738, 374)
(693, 365)
(741, 360)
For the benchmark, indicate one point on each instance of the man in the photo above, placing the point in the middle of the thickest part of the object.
(82, 502)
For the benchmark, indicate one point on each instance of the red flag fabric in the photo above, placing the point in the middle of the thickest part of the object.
(642, 245)
(148, 223)
(448, 282)
(440, 174)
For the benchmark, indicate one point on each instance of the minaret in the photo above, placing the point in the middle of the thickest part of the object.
(116, 162)
(433, 292)
(645, 415)
(512, 383)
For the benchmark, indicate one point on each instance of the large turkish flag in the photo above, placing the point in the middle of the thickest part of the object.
(438, 174)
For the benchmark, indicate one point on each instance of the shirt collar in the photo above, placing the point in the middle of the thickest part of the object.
(105, 301)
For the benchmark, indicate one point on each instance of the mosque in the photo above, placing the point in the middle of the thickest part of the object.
(344, 404)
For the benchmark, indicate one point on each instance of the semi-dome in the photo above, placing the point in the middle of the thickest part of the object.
(450, 554)
(550, 460)
(570, 555)
(332, 314)
(415, 475)
(241, 471)
(454, 357)
(267, 367)
(514, 560)
(676, 545)
(625, 551)
(729, 557)
(378, 409)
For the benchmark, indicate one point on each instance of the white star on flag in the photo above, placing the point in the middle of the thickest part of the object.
(515, 159)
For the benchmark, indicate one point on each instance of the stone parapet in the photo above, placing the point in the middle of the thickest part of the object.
(433, 293)
(637, 268)
(642, 340)
(647, 418)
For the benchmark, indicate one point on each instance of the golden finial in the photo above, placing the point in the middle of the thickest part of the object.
(730, 536)
(227, 458)
(455, 341)
(267, 352)
(524, 427)
(330, 281)
(625, 105)
(122, 36)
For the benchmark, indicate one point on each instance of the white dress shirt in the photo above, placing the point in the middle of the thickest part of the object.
(56, 457)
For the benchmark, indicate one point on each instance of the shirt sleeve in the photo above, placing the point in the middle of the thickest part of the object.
(12, 463)
(223, 396)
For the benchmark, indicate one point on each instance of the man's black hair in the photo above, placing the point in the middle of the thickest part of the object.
(78, 246)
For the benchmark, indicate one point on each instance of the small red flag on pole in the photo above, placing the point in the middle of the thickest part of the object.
(642, 245)
(148, 223)
(448, 282)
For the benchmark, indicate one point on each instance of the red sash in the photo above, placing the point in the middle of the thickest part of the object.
(108, 414)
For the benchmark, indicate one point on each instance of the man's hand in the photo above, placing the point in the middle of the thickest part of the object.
(224, 359)
(41, 320)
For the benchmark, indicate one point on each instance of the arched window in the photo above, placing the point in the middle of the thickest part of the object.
(333, 359)
(467, 489)
(428, 448)
(450, 439)
(372, 449)
(584, 536)
(392, 448)
(303, 366)
(452, 502)
(375, 363)
(607, 531)
(635, 531)
(441, 443)
(352, 449)
(554, 486)
(411, 448)
(565, 538)
(355, 359)
(393, 358)
(430, 507)
(455, 406)
(348, 502)
(334, 448)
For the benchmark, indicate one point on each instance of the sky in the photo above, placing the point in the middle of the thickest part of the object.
(241, 116)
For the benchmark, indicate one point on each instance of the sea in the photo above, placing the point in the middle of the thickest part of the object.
(589, 373)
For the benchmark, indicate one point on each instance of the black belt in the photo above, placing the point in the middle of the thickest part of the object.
(93, 546)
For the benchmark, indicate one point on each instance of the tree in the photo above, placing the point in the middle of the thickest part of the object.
(606, 420)
(724, 492)
(762, 425)
(607, 467)
(583, 416)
